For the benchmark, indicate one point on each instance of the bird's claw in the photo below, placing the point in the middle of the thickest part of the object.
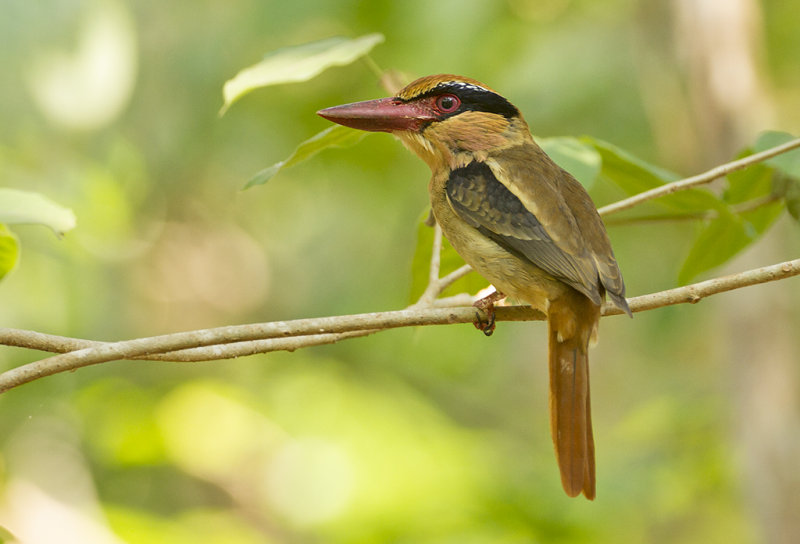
(486, 327)
(487, 305)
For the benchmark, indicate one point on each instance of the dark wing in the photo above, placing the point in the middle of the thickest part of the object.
(481, 200)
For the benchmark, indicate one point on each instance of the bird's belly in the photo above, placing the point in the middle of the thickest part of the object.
(510, 274)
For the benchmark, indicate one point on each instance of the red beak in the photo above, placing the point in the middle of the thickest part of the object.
(382, 115)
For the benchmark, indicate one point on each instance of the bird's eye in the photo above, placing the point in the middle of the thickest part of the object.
(447, 103)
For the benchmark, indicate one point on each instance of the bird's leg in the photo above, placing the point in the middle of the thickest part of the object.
(487, 304)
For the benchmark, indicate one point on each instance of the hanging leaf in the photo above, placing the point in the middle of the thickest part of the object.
(28, 207)
(752, 191)
(295, 64)
(726, 235)
(716, 242)
(333, 136)
(792, 198)
(576, 157)
(9, 250)
(788, 188)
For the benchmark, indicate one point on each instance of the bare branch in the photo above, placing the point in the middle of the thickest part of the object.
(233, 341)
(454, 276)
(227, 335)
(694, 293)
(432, 291)
(743, 207)
(437, 285)
(700, 179)
(60, 344)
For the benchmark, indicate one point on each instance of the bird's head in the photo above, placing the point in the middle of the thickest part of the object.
(447, 120)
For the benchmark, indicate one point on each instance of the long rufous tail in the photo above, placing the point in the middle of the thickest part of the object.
(572, 321)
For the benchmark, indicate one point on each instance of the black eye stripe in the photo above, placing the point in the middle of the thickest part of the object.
(473, 98)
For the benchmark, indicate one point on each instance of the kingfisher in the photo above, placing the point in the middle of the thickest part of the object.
(522, 222)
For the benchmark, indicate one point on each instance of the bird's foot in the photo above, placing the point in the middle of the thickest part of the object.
(487, 305)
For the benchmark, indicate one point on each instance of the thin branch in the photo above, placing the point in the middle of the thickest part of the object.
(227, 335)
(217, 352)
(436, 256)
(694, 293)
(454, 276)
(432, 291)
(655, 218)
(430, 298)
(60, 344)
(461, 299)
(437, 285)
(743, 207)
(222, 342)
(756, 203)
(700, 179)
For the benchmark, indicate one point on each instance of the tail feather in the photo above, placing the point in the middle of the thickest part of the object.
(570, 411)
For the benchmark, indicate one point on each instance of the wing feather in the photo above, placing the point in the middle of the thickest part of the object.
(487, 204)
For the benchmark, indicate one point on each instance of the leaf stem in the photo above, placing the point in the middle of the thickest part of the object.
(743, 207)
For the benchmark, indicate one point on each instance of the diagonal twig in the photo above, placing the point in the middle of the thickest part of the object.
(700, 179)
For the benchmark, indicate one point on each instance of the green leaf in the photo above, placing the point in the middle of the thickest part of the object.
(9, 250)
(28, 207)
(634, 176)
(793, 201)
(450, 261)
(788, 162)
(749, 186)
(7, 536)
(786, 180)
(788, 188)
(576, 157)
(333, 136)
(295, 64)
(717, 241)
(753, 182)
(721, 238)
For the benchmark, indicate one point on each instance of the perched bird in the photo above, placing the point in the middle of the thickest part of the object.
(522, 222)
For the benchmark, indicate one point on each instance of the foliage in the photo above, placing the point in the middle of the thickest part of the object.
(724, 231)
(334, 136)
(9, 250)
(431, 435)
(299, 63)
(25, 207)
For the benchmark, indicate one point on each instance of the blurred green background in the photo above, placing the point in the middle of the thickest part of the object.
(430, 435)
